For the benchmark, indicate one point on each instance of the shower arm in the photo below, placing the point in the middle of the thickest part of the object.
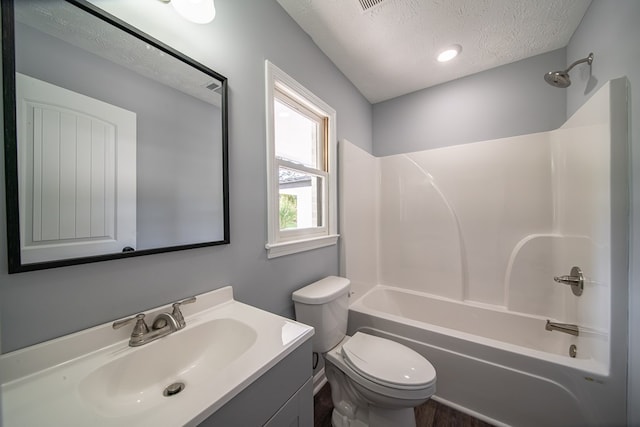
(588, 59)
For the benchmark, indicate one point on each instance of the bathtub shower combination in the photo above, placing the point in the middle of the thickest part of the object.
(454, 251)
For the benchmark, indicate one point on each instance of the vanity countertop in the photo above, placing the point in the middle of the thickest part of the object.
(94, 378)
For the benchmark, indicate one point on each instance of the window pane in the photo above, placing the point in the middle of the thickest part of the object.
(300, 199)
(296, 135)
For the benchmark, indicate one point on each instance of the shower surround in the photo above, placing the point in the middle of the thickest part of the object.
(489, 225)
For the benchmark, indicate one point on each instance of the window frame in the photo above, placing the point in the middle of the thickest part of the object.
(285, 242)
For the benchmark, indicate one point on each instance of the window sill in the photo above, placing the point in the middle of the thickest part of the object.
(275, 250)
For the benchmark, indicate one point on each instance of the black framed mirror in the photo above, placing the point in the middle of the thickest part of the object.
(116, 145)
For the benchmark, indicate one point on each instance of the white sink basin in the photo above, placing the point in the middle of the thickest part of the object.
(136, 382)
(93, 378)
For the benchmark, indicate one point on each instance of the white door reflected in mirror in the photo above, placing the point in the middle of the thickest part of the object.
(77, 161)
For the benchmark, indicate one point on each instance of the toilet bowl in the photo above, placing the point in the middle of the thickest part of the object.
(378, 382)
(374, 381)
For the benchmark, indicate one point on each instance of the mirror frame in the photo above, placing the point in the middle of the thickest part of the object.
(11, 149)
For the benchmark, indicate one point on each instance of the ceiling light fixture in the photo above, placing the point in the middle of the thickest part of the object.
(449, 53)
(197, 11)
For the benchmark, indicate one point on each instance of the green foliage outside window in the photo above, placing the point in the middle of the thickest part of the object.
(288, 211)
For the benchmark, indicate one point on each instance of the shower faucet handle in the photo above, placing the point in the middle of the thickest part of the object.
(575, 280)
(567, 280)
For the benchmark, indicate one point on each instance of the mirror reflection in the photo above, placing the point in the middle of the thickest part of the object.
(121, 142)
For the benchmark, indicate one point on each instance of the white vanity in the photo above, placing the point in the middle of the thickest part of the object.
(232, 365)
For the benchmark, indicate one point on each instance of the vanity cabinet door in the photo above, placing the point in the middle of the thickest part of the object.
(298, 411)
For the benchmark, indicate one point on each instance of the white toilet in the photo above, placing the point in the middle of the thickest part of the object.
(374, 381)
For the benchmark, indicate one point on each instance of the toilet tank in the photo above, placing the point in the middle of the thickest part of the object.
(325, 306)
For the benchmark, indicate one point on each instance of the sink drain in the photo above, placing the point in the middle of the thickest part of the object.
(172, 389)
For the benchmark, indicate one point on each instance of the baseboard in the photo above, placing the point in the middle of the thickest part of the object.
(468, 411)
(319, 380)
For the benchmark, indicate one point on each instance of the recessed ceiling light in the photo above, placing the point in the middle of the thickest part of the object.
(449, 53)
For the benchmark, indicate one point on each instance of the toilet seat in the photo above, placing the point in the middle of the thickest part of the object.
(387, 363)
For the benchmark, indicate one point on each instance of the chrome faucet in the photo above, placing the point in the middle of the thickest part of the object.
(163, 325)
(562, 327)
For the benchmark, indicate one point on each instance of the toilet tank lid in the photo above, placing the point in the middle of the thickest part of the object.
(322, 291)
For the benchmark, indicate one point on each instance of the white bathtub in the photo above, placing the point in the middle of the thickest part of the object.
(500, 366)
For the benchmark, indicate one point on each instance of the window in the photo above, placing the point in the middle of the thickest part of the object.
(301, 167)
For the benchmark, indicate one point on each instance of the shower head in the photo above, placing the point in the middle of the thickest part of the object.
(561, 78)
(558, 79)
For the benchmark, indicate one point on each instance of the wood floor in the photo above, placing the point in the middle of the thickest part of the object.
(429, 414)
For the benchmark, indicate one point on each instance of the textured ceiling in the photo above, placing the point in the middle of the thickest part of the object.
(390, 48)
(66, 22)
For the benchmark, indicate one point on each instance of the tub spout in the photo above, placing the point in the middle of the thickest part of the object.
(562, 327)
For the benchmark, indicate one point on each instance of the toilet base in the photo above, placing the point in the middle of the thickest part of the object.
(340, 420)
(378, 417)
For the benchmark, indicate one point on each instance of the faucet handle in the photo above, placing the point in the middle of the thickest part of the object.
(575, 280)
(185, 301)
(139, 329)
(177, 314)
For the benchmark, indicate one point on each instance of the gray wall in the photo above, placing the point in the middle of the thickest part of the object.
(175, 133)
(504, 101)
(42, 305)
(611, 30)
